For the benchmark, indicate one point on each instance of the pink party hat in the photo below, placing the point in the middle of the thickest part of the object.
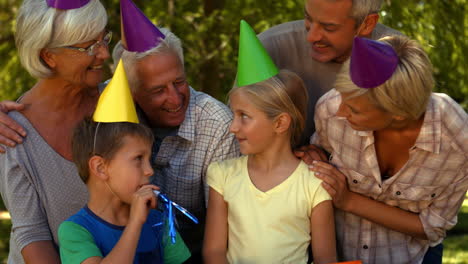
(138, 32)
(372, 62)
(67, 4)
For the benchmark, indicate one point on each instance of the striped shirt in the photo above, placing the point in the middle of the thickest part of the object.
(432, 183)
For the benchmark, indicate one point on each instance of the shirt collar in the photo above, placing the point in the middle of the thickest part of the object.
(187, 128)
(430, 133)
(429, 137)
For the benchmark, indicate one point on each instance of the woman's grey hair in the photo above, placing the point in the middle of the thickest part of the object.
(170, 44)
(362, 8)
(39, 26)
(408, 90)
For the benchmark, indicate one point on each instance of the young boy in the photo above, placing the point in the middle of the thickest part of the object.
(117, 225)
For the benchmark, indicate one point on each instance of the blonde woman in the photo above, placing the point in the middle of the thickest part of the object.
(398, 171)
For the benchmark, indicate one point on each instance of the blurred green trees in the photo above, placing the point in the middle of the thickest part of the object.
(209, 30)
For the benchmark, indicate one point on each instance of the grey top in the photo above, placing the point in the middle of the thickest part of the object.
(288, 47)
(40, 189)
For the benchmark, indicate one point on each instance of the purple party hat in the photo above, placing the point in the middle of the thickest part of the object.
(372, 62)
(67, 4)
(138, 32)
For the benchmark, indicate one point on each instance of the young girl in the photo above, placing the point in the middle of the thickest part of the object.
(266, 206)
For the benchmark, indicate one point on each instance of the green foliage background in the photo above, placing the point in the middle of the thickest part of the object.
(209, 30)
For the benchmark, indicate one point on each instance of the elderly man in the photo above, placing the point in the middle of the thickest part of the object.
(316, 46)
(190, 128)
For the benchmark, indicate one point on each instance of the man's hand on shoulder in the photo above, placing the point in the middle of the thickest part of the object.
(11, 133)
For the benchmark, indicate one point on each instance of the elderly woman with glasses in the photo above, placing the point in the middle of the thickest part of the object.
(398, 169)
(64, 44)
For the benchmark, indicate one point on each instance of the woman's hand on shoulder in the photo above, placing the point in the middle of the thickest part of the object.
(309, 153)
(334, 182)
(11, 133)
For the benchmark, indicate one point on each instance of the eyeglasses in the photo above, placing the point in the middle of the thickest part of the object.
(91, 50)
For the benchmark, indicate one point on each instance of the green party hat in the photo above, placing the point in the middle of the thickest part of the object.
(254, 65)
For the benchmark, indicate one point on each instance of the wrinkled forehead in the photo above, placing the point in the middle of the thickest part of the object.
(159, 69)
(329, 11)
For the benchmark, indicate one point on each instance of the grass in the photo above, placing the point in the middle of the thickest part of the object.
(5, 226)
(455, 245)
(456, 249)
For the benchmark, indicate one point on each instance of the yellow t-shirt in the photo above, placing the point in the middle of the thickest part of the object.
(266, 227)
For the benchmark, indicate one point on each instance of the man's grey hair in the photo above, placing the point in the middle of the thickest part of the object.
(39, 26)
(170, 44)
(362, 8)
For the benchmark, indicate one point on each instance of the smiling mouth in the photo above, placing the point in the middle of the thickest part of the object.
(319, 46)
(96, 67)
(174, 110)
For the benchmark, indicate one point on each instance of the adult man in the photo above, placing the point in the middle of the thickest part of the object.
(316, 46)
(190, 128)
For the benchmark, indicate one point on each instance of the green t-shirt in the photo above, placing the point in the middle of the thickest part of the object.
(77, 243)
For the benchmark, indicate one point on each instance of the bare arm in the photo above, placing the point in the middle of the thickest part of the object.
(391, 217)
(322, 227)
(388, 216)
(40, 252)
(216, 231)
(11, 133)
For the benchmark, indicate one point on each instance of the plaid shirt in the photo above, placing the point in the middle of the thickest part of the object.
(181, 162)
(432, 183)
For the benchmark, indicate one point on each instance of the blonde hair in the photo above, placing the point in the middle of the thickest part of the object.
(408, 90)
(40, 26)
(282, 93)
(170, 44)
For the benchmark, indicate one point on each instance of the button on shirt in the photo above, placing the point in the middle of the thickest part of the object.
(432, 183)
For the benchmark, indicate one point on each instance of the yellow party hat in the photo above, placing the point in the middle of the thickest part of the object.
(116, 103)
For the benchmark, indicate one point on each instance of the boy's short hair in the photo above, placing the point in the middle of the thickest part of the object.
(109, 139)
